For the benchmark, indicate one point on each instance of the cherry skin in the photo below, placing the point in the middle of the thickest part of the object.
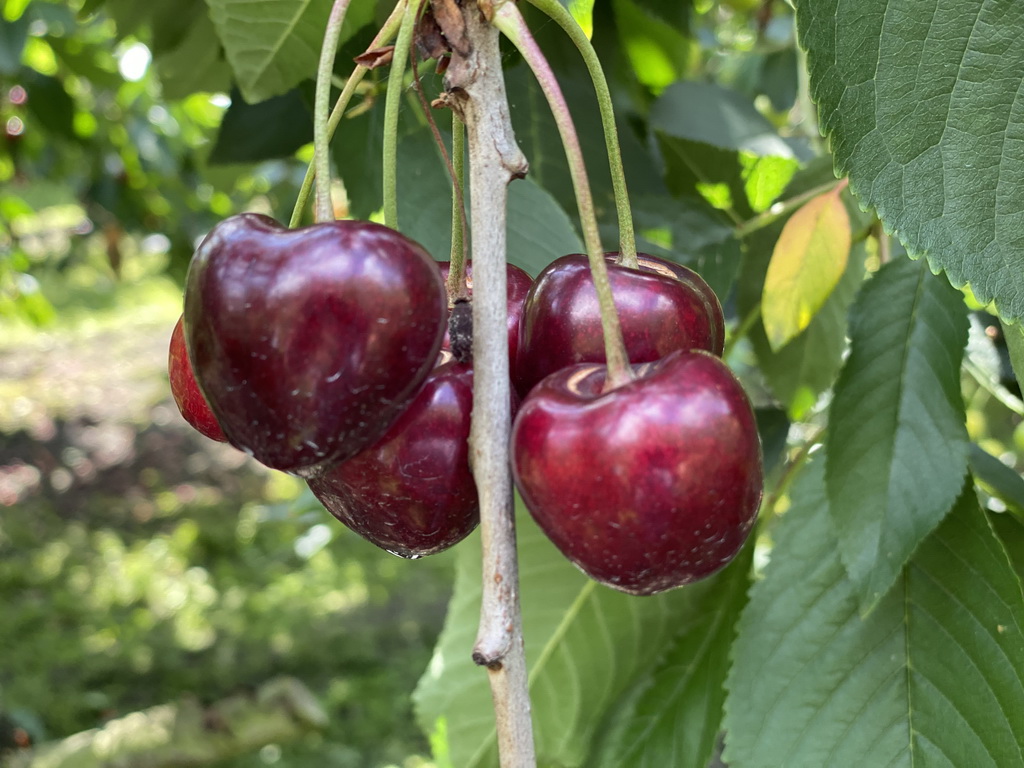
(518, 284)
(190, 401)
(663, 307)
(649, 486)
(309, 343)
(412, 493)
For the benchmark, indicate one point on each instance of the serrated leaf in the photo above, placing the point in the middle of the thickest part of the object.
(584, 644)
(896, 437)
(933, 676)
(713, 115)
(807, 263)
(922, 105)
(676, 719)
(273, 45)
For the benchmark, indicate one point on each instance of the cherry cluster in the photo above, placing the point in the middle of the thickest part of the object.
(325, 352)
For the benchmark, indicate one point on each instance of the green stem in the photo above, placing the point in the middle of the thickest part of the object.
(392, 103)
(457, 288)
(777, 211)
(742, 329)
(386, 33)
(790, 473)
(510, 22)
(322, 97)
(457, 268)
(627, 238)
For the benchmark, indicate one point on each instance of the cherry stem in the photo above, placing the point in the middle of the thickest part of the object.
(510, 22)
(392, 102)
(457, 287)
(627, 237)
(386, 33)
(476, 89)
(322, 97)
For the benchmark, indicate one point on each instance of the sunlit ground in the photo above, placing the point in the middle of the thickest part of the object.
(140, 562)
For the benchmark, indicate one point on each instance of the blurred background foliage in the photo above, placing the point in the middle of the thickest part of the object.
(140, 562)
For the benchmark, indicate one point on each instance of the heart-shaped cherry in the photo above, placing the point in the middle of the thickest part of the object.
(308, 343)
(190, 401)
(412, 493)
(662, 307)
(518, 284)
(650, 485)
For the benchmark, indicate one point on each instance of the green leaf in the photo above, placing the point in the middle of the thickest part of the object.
(583, 12)
(1014, 335)
(717, 116)
(896, 437)
(1010, 531)
(357, 150)
(196, 64)
(535, 129)
(657, 50)
(675, 721)
(273, 45)
(922, 106)
(286, 125)
(585, 644)
(765, 177)
(1002, 480)
(539, 231)
(933, 676)
(809, 364)
(701, 237)
(807, 263)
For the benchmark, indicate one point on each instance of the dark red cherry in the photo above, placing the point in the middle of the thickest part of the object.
(309, 343)
(412, 493)
(190, 401)
(646, 487)
(518, 284)
(663, 307)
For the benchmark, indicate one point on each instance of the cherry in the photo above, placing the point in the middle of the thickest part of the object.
(309, 343)
(190, 401)
(412, 493)
(650, 485)
(518, 284)
(663, 307)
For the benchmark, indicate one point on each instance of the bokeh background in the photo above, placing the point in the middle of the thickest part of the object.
(140, 563)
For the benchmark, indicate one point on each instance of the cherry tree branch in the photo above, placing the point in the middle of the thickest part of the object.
(476, 90)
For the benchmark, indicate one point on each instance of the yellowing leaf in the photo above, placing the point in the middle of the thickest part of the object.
(807, 262)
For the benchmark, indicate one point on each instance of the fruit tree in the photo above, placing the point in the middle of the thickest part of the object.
(682, 305)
